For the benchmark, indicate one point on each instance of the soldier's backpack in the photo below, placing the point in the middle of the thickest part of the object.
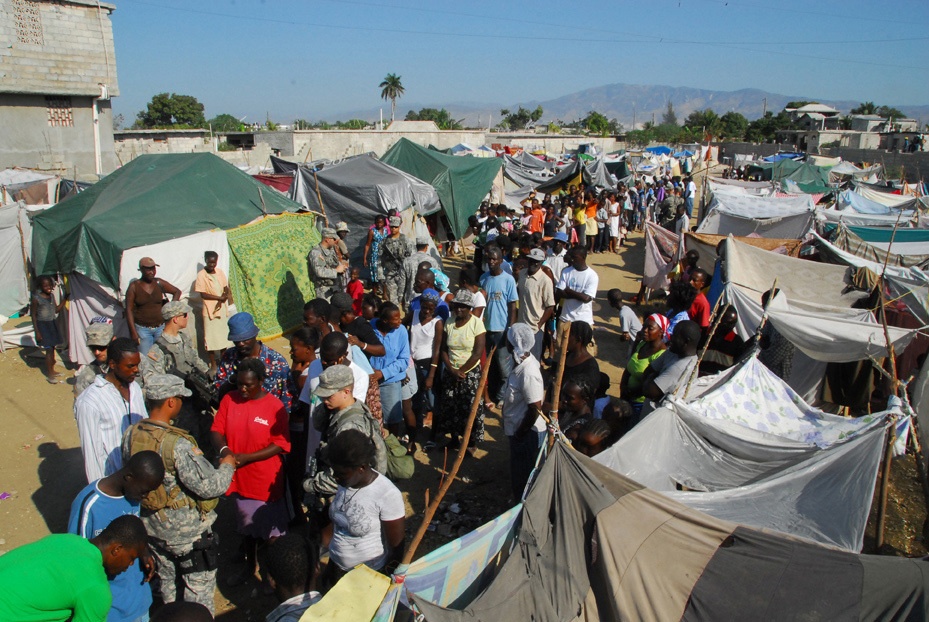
(147, 435)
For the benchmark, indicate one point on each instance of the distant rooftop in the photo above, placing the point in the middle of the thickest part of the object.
(820, 108)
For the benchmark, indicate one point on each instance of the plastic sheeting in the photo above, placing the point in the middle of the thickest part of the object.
(861, 204)
(885, 198)
(772, 217)
(15, 248)
(179, 260)
(662, 253)
(752, 452)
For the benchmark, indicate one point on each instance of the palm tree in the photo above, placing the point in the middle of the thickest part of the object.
(391, 89)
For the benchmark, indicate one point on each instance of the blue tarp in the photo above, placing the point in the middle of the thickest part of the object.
(863, 205)
(683, 154)
(660, 150)
(777, 157)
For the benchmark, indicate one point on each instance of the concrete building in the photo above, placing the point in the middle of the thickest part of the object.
(814, 117)
(130, 144)
(57, 75)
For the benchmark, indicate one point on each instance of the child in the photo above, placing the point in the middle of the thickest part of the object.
(601, 399)
(44, 312)
(629, 322)
(369, 306)
(293, 565)
(356, 290)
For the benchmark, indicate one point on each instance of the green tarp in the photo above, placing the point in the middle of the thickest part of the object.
(462, 183)
(152, 199)
(267, 270)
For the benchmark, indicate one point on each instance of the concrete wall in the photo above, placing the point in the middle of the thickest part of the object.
(28, 140)
(131, 144)
(554, 143)
(335, 144)
(915, 165)
(62, 47)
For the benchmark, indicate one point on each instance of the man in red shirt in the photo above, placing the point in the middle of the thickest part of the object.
(700, 310)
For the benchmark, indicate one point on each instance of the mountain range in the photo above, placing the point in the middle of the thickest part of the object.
(628, 102)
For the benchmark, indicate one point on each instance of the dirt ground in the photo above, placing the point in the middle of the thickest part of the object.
(41, 469)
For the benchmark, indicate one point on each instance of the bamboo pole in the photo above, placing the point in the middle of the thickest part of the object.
(884, 489)
(462, 449)
(261, 197)
(319, 196)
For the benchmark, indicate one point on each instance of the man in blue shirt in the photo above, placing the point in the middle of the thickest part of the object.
(103, 501)
(498, 315)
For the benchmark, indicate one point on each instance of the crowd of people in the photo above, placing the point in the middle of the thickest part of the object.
(309, 450)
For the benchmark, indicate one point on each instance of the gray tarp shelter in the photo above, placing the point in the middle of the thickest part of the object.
(595, 545)
(358, 189)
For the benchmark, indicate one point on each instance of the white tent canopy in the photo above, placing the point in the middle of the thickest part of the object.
(750, 450)
(771, 217)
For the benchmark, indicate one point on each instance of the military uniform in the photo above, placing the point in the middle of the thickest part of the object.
(181, 530)
(394, 252)
(85, 377)
(322, 264)
(177, 355)
(410, 266)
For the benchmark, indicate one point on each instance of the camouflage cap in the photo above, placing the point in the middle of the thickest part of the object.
(333, 380)
(163, 386)
(174, 309)
(328, 232)
(99, 334)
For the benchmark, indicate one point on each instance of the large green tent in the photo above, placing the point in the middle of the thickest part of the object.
(462, 183)
(152, 199)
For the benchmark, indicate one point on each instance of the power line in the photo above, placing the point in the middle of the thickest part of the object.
(498, 37)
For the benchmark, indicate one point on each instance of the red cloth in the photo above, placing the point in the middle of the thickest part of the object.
(356, 290)
(250, 426)
(700, 310)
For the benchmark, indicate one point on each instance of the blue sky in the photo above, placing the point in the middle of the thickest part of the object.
(315, 59)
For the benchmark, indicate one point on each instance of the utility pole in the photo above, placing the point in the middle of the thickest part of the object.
(633, 115)
(764, 106)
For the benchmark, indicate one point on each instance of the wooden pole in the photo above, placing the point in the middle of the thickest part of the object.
(264, 209)
(895, 388)
(559, 374)
(717, 318)
(319, 196)
(434, 506)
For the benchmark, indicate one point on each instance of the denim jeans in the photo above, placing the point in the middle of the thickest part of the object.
(147, 337)
(391, 402)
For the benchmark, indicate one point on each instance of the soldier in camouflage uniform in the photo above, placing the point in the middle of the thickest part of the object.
(411, 267)
(175, 353)
(324, 266)
(394, 251)
(179, 516)
(99, 335)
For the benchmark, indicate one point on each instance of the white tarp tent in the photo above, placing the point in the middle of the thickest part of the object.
(750, 450)
(771, 217)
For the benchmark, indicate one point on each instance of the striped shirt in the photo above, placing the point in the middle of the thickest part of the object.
(102, 416)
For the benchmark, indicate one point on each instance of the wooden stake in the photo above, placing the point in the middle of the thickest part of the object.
(264, 209)
(319, 196)
(882, 497)
(717, 318)
(463, 448)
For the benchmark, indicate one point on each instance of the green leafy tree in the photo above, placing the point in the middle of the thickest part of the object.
(391, 89)
(764, 129)
(118, 122)
(700, 122)
(553, 128)
(226, 123)
(864, 108)
(352, 124)
(597, 123)
(442, 118)
(302, 124)
(669, 117)
(172, 111)
(520, 119)
(799, 104)
(733, 125)
(887, 112)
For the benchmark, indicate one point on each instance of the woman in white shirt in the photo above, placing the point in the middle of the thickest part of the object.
(367, 511)
(425, 345)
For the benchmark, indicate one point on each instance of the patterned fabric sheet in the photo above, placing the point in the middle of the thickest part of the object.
(453, 575)
(757, 399)
(267, 270)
